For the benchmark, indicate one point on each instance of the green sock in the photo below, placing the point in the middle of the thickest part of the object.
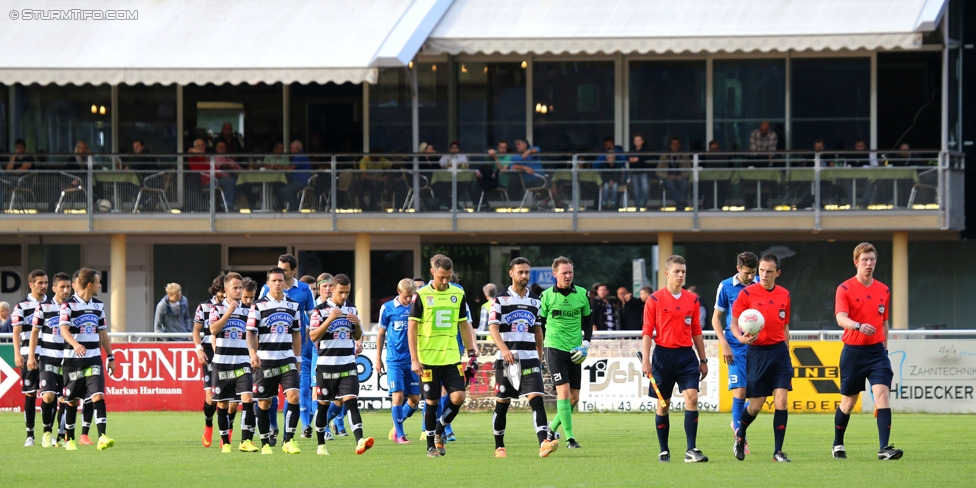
(564, 415)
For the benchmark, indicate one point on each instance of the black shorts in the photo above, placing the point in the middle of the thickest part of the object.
(83, 383)
(52, 378)
(531, 379)
(29, 378)
(267, 381)
(228, 384)
(768, 368)
(449, 376)
(674, 366)
(860, 363)
(562, 369)
(207, 376)
(336, 385)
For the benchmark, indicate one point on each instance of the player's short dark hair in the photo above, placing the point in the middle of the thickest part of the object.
(249, 284)
(503, 141)
(517, 261)
(747, 260)
(674, 259)
(37, 273)
(771, 258)
(86, 276)
(560, 261)
(231, 277)
(290, 260)
(275, 270)
(341, 279)
(647, 289)
(61, 276)
(308, 280)
(442, 262)
(20, 142)
(217, 285)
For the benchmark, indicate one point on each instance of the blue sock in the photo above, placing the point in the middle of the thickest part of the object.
(663, 427)
(779, 429)
(407, 410)
(691, 428)
(738, 405)
(274, 413)
(339, 420)
(332, 413)
(884, 426)
(397, 413)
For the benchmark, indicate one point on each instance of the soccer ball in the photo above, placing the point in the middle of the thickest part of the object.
(103, 205)
(751, 321)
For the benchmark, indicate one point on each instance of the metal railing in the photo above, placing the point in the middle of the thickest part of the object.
(556, 185)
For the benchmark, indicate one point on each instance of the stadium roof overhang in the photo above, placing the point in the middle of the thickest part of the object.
(219, 41)
(699, 26)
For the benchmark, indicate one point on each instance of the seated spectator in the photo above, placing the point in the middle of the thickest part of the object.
(374, 180)
(298, 176)
(526, 161)
(492, 175)
(228, 169)
(611, 172)
(20, 162)
(200, 163)
(673, 169)
(454, 158)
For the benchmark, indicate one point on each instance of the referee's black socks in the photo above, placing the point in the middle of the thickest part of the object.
(691, 428)
(747, 419)
(884, 426)
(662, 424)
(840, 426)
(779, 428)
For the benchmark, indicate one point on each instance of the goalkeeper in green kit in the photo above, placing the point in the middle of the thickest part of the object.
(566, 310)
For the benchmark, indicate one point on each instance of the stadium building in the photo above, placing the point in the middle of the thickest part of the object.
(578, 79)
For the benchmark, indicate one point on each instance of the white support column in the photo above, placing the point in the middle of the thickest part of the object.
(117, 283)
(874, 101)
(710, 101)
(899, 281)
(665, 248)
(362, 279)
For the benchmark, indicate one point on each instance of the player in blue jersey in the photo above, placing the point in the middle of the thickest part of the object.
(404, 383)
(733, 351)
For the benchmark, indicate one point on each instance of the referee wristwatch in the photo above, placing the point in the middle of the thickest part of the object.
(857, 326)
(703, 361)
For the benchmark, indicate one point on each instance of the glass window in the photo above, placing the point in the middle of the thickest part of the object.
(830, 99)
(909, 95)
(327, 118)
(52, 119)
(573, 105)
(57, 257)
(745, 93)
(667, 99)
(148, 113)
(193, 266)
(491, 104)
(390, 109)
(254, 112)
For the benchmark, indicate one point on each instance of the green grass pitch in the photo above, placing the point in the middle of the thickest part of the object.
(163, 449)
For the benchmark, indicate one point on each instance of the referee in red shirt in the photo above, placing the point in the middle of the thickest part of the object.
(768, 367)
(674, 315)
(861, 308)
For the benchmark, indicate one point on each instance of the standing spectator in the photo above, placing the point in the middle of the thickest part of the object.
(301, 172)
(640, 165)
(5, 327)
(603, 311)
(502, 159)
(227, 171)
(701, 303)
(233, 140)
(173, 312)
(527, 161)
(490, 290)
(763, 140)
(673, 169)
(631, 310)
(611, 172)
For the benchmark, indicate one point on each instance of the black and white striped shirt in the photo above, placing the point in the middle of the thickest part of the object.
(202, 316)
(230, 345)
(337, 348)
(47, 318)
(274, 322)
(84, 321)
(516, 318)
(21, 316)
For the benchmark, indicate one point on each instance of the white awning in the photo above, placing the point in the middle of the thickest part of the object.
(681, 26)
(216, 41)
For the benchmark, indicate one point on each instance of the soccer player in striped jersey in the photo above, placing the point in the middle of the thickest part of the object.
(83, 328)
(275, 347)
(47, 343)
(861, 307)
(336, 410)
(231, 363)
(566, 310)
(204, 347)
(513, 322)
(404, 384)
(733, 352)
(673, 313)
(335, 326)
(20, 319)
(768, 366)
(436, 318)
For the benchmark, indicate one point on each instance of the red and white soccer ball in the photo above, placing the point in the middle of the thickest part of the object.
(751, 321)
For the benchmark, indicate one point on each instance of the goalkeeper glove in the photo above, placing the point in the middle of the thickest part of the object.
(578, 354)
(471, 370)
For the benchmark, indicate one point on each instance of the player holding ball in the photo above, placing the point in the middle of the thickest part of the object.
(768, 367)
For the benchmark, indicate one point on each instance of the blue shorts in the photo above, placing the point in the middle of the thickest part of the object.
(674, 366)
(401, 378)
(860, 363)
(769, 369)
(737, 370)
